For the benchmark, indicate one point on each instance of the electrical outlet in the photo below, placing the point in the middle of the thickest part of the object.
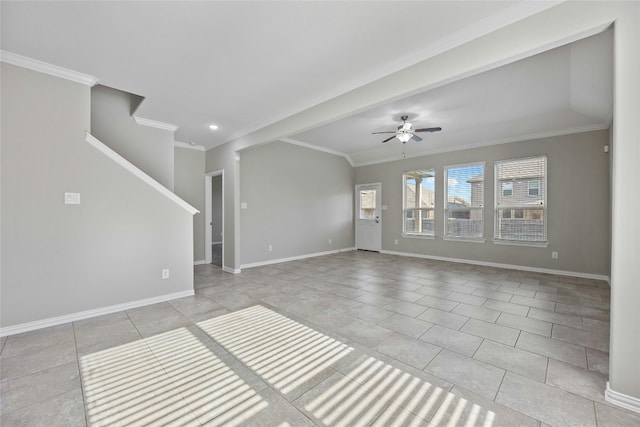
(395, 242)
(330, 240)
(270, 248)
(554, 255)
(71, 198)
(165, 274)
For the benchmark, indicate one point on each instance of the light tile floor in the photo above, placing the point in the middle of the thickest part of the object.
(350, 339)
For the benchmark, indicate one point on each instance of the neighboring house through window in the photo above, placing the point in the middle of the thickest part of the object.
(521, 215)
(464, 196)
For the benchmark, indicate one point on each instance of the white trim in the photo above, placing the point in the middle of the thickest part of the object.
(216, 243)
(295, 258)
(500, 265)
(185, 145)
(620, 399)
(418, 236)
(317, 148)
(59, 320)
(155, 124)
(199, 262)
(347, 249)
(463, 239)
(518, 243)
(231, 270)
(140, 174)
(43, 67)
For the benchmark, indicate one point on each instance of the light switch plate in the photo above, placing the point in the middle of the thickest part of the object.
(71, 198)
(243, 205)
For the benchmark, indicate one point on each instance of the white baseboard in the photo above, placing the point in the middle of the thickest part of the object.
(295, 258)
(499, 265)
(216, 243)
(200, 262)
(620, 399)
(231, 270)
(59, 320)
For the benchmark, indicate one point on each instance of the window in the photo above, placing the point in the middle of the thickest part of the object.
(521, 215)
(464, 201)
(418, 202)
(507, 189)
(367, 204)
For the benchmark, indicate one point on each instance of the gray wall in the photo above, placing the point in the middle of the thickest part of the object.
(297, 199)
(578, 204)
(61, 259)
(216, 209)
(150, 149)
(189, 186)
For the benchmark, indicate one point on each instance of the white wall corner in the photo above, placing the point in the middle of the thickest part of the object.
(43, 67)
(622, 400)
(200, 262)
(155, 124)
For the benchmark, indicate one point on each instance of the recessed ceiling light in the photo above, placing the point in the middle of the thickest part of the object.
(213, 127)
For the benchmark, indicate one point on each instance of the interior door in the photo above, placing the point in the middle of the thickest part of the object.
(368, 218)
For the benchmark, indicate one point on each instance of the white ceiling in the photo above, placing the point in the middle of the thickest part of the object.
(564, 90)
(244, 65)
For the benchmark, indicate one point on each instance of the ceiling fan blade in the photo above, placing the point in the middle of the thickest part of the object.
(428, 130)
(416, 138)
(374, 133)
(388, 139)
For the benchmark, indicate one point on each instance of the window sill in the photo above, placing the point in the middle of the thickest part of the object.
(418, 236)
(464, 240)
(518, 243)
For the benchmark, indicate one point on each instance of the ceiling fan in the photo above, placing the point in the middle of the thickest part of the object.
(404, 132)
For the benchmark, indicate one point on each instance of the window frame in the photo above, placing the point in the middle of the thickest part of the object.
(481, 208)
(406, 209)
(542, 184)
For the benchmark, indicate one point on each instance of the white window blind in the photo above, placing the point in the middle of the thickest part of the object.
(464, 201)
(418, 202)
(521, 215)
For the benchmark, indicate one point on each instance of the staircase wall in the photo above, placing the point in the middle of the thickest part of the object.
(63, 262)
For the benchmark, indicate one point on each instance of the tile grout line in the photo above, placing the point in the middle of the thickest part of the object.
(84, 403)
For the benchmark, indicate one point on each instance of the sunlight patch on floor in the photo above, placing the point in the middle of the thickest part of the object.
(168, 379)
(285, 353)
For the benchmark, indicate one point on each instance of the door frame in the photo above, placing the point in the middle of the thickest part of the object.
(357, 211)
(208, 213)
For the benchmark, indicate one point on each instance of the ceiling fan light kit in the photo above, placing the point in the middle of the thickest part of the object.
(405, 132)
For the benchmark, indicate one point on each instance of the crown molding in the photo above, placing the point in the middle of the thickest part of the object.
(488, 143)
(189, 146)
(315, 147)
(43, 67)
(155, 124)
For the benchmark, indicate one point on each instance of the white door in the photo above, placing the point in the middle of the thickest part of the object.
(368, 220)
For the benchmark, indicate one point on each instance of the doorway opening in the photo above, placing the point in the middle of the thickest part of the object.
(214, 208)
